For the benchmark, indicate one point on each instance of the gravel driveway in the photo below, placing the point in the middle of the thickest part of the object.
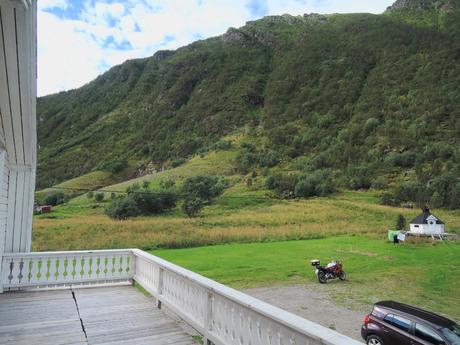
(312, 304)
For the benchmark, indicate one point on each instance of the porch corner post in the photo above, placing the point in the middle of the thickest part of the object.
(160, 286)
(208, 318)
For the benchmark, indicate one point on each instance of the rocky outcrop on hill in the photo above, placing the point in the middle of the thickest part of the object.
(445, 6)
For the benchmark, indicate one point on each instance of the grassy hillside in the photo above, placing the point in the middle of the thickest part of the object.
(242, 214)
(364, 97)
(90, 181)
(232, 219)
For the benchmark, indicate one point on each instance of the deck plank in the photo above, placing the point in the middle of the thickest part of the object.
(111, 316)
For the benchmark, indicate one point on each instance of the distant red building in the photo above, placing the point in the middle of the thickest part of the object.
(46, 209)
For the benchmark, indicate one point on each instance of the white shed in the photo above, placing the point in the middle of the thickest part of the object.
(426, 223)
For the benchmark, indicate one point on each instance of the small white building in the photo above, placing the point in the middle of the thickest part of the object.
(426, 223)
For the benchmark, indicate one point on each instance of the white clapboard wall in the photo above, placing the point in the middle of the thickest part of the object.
(17, 123)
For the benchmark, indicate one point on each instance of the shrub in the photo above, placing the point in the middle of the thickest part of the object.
(412, 191)
(248, 146)
(90, 194)
(122, 208)
(177, 162)
(454, 197)
(370, 125)
(204, 187)
(379, 183)
(55, 198)
(150, 202)
(245, 160)
(444, 185)
(141, 202)
(404, 160)
(192, 206)
(114, 166)
(133, 188)
(267, 159)
(146, 202)
(249, 157)
(99, 197)
(389, 199)
(222, 145)
(113, 195)
(306, 187)
(167, 184)
(283, 184)
(318, 183)
(360, 177)
(437, 200)
(400, 222)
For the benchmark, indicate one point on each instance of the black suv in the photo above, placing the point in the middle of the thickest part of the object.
(392, 323)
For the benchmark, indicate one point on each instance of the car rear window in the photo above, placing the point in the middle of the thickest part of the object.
(428, 334)
(398, 321)
(377, 312)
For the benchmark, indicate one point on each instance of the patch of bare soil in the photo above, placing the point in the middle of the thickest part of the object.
(313, 304)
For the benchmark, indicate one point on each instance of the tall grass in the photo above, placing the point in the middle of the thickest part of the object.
(84, 227)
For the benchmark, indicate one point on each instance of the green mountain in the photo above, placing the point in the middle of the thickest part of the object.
(365, 97)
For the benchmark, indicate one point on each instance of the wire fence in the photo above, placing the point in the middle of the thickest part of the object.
(157, 192)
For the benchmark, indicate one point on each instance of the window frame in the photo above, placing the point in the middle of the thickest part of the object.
(393, 324)
(428, 328)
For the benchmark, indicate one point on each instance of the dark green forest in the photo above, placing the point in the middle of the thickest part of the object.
(363, 101)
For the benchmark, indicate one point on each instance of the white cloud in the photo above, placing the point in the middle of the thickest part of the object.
(77, 45)
(47, 4)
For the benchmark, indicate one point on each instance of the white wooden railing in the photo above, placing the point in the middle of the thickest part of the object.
(53, 269)
(221, 314)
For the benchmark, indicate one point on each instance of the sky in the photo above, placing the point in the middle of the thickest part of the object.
(81, 39)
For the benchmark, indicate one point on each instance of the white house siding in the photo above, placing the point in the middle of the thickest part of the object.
(427, 229)
(3, 199)
(17, 123)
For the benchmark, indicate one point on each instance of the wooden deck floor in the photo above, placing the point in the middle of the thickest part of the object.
(112, 315)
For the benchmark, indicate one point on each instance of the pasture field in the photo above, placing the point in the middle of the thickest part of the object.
(240, 215)
(426, 274)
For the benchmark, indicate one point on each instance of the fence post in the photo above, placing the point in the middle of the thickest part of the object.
(208, 319)
(160, 286)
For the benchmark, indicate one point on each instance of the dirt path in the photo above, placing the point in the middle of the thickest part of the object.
(312, 304)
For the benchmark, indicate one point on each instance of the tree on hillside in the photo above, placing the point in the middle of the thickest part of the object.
(141, 201)
(122, 208)
(192, 206)
(205, 188)
(55, 198)
(99, 197)
(400, 222)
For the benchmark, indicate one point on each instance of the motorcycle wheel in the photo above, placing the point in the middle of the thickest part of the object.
(322, 277)
(342, 275)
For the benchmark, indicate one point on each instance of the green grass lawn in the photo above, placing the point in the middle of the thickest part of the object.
(426, 275)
